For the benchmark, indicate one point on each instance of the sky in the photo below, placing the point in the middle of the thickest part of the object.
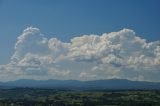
(75, 37)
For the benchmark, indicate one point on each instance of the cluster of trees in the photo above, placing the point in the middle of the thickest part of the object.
(51, 97)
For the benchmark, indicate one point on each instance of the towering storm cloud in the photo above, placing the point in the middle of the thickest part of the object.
(119, 54)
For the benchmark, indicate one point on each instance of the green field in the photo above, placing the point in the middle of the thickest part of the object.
(53, 97)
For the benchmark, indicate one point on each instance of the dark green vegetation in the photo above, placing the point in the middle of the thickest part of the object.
(52, 97)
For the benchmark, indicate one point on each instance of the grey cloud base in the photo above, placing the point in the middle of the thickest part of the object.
(119, 54)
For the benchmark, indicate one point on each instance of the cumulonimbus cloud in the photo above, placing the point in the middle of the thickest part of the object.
(119, 54)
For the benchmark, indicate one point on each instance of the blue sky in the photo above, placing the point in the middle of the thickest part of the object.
(75, 44)
(64, 19)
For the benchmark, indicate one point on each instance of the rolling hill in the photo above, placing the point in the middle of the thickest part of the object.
(75, 84)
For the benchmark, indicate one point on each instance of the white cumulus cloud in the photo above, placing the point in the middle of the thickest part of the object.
(119, 54)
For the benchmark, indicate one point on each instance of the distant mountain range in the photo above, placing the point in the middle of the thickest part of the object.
(112, 84)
